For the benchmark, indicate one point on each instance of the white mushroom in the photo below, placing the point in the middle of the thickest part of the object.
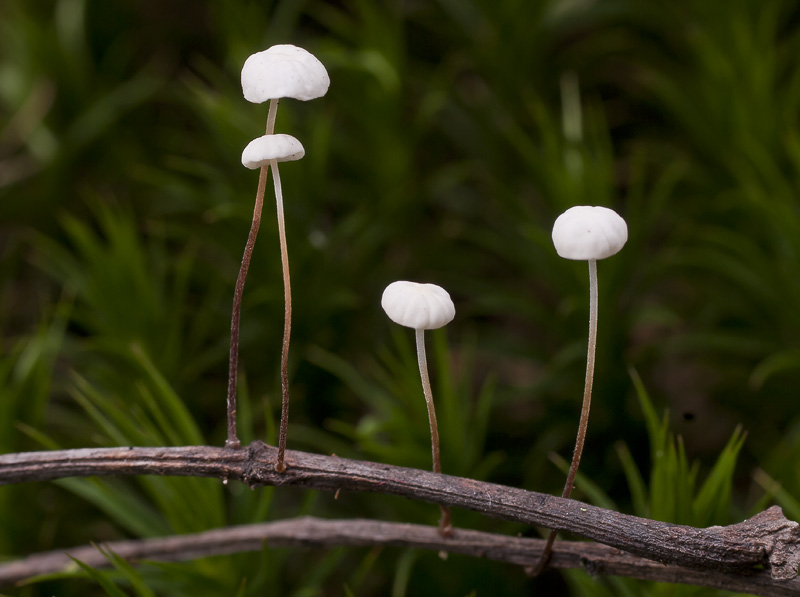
(585, 233)
(422, 307)
(418, 306)
(281, 148)
(283, 71)
(280, 71)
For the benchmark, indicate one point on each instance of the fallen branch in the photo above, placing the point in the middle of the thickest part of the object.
(768, 539)
(313, 532)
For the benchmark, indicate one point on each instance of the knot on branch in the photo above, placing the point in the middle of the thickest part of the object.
(778, 536)
(256, 469)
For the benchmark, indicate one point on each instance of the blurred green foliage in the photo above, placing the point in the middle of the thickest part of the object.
(671, 495)
(453, 134)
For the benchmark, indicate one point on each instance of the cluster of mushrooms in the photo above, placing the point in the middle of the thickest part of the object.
(280, 71)
(583, 233)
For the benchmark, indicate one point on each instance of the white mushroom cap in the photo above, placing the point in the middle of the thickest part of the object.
(283, 71)
(584, 233)
(283, 148)
(418, 306)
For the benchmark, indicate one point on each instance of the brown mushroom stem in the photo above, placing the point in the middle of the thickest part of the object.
(233, 358)
(445, 527)
(584, 420)
(280, 466)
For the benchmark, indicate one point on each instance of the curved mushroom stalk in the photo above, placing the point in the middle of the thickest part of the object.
(583, 424)
(445, 526)
(280, 466)
(423, 307)
(236, 311)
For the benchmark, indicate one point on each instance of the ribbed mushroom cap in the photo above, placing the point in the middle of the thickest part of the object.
(283, 148)
(283, 71)
(418, 306)
(584, 232)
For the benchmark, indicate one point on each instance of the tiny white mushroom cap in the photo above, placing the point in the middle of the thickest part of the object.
(283, 71)
(585, 232)
(418, 306)
(283, 148)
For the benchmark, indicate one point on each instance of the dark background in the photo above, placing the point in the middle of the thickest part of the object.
(452, 136)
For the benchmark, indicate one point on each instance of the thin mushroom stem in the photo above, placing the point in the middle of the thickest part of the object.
(587, 389)
(445, 527)
(280, 466)
(584, 420)
(236, 311)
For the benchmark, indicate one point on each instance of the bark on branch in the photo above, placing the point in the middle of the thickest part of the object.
(768, 539)
(314, 532)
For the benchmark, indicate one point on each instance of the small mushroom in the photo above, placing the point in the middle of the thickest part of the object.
(585, 233)
(422, 307)
(280, 71)
(281, 148)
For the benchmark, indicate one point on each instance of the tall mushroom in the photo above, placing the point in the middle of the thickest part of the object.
(585, 233)
(422, 307)
(280, 71)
